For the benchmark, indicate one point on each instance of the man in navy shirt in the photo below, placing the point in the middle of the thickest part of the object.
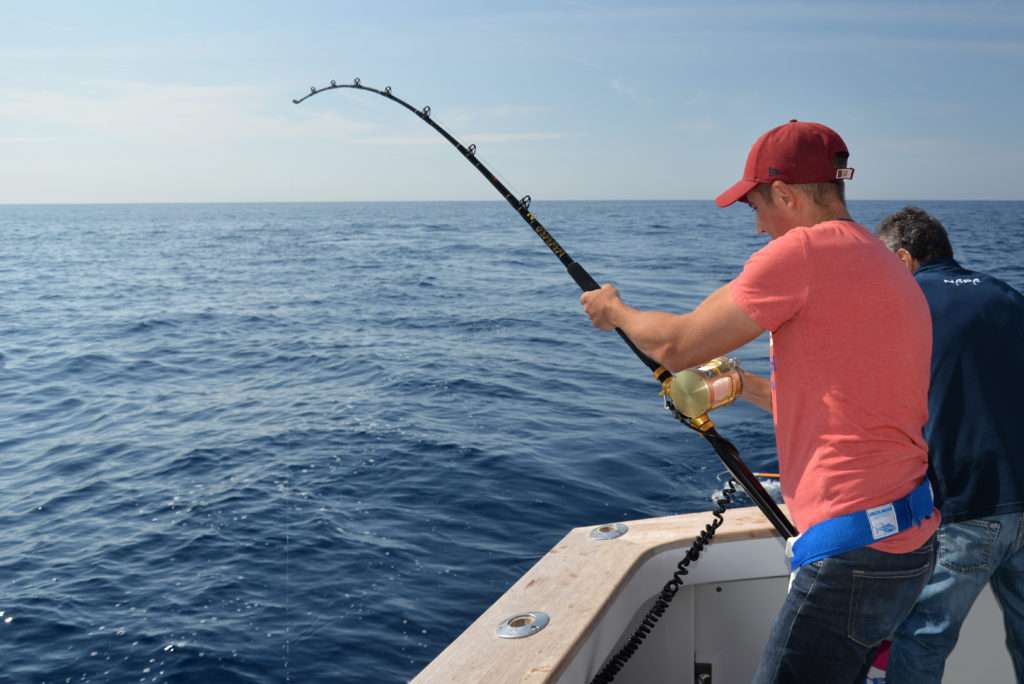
(975, 435)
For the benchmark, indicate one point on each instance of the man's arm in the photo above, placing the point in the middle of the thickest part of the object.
(714, 328)
(757, 390)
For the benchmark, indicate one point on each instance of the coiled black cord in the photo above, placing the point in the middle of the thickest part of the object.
(611, 668)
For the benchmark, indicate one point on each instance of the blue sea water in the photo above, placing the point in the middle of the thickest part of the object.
(312, 442)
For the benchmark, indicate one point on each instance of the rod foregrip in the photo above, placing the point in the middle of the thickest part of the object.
(588, 284)
(582, 278)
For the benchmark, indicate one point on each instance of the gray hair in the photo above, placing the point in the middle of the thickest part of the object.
(918, 232)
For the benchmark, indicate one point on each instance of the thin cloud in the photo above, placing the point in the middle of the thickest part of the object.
(26, 140)
(469, 138)
(513, 137)
(119, 111)
(126, 111)
(702, 125)
(870, 13)
(624, 88)
(459, 119)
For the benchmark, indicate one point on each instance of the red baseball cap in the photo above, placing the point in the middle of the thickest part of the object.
(795, 152)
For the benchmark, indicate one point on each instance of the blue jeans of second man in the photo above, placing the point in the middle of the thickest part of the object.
(971, 554)
(837, 613)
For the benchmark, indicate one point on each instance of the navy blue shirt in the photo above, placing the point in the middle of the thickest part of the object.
(975, 428)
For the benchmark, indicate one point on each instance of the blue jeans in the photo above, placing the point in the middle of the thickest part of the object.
(838, 611)
(971, 553)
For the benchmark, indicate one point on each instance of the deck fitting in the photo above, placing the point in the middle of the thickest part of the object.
(609, 531)
(523, 625)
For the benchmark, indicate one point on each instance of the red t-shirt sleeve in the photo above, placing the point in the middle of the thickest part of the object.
(773, 285)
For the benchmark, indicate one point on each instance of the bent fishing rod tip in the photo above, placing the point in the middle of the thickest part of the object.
(356, 83)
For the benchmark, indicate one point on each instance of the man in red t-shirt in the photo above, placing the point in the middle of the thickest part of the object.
(850, 354)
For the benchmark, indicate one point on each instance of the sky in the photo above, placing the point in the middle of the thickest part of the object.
(192, 101)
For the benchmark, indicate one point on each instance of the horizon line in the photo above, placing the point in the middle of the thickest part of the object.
(438, 201)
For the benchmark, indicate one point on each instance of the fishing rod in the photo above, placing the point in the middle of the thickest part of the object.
(726, 451)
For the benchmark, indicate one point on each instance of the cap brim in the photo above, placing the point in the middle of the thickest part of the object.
(737, 192)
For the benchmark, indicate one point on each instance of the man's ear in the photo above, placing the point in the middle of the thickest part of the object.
(783, 194)
(907, 260)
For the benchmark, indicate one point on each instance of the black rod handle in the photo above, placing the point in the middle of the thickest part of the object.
(729, 455)
(588, 284)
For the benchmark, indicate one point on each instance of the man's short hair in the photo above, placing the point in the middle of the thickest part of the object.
(918, 232)
(819, 193)
(823, 193)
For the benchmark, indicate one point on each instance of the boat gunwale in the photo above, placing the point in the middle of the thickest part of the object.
(593, 574)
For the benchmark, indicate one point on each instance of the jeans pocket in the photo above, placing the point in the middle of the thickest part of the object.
(966, 547)
(880, 601)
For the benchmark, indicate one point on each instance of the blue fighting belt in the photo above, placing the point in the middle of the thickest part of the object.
(856, 530)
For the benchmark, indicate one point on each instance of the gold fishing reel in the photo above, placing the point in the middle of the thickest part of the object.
(694, 392)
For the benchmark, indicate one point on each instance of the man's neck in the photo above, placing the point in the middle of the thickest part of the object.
(832, 212)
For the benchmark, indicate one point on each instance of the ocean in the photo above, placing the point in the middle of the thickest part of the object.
(312, 442)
